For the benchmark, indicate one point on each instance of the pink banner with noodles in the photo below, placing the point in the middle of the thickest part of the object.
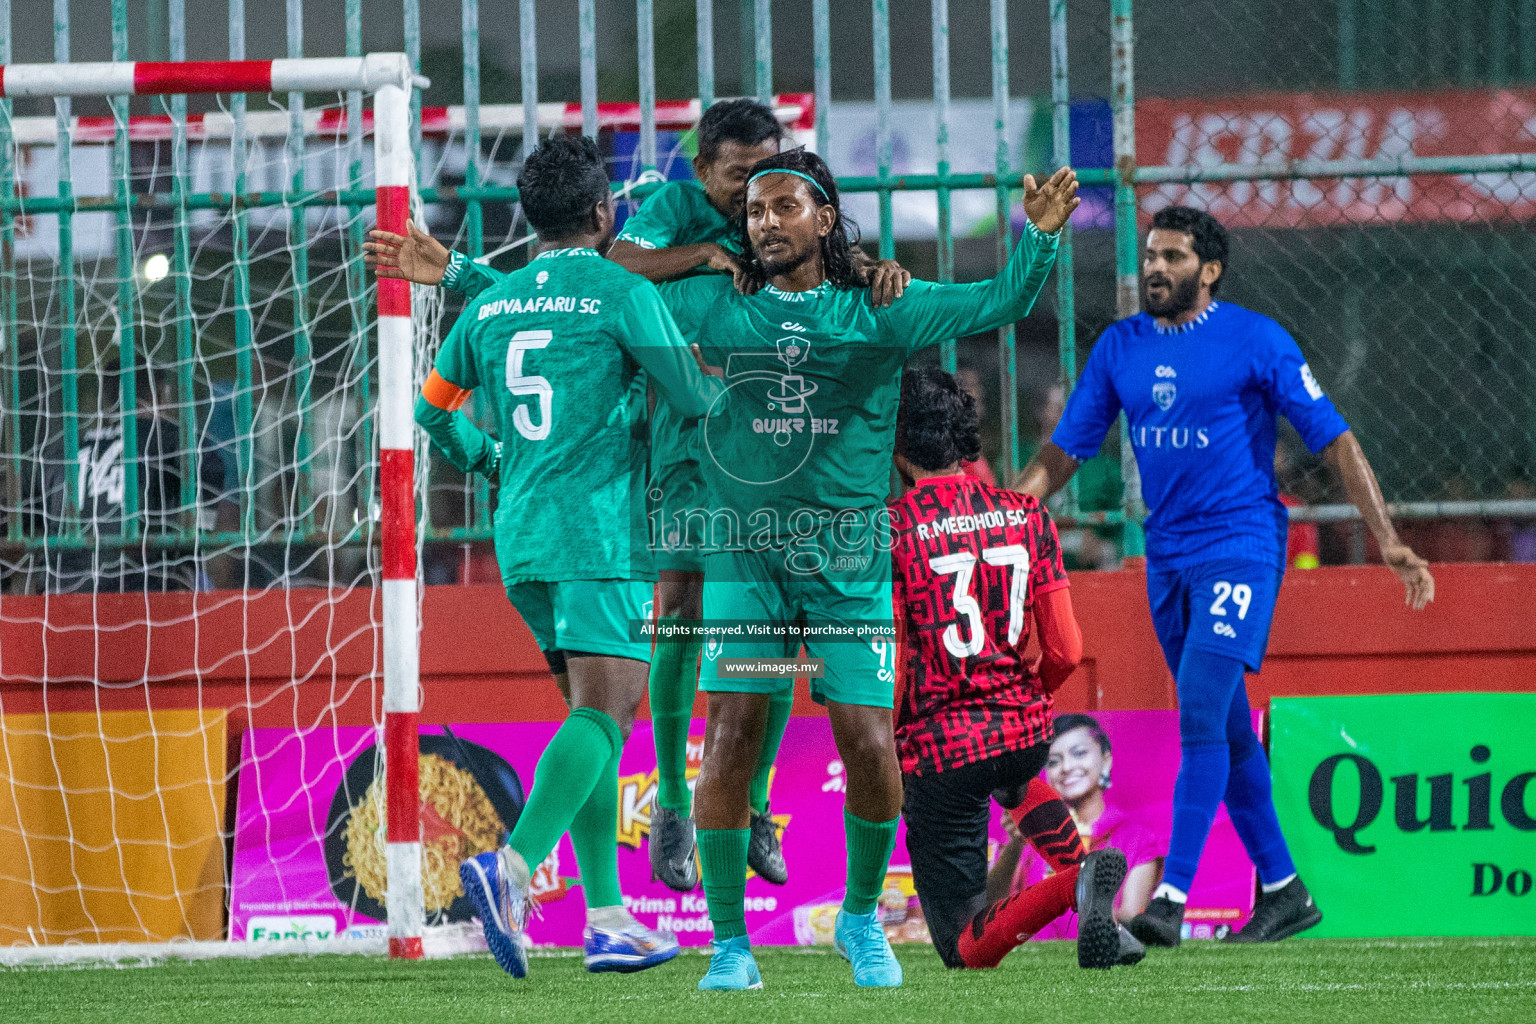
(309, 842)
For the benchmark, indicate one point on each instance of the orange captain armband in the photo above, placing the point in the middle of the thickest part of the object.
(443, 393)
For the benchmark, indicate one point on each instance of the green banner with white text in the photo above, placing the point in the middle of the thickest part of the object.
(1413, 814)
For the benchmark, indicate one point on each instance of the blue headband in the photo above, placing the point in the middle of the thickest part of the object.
(799, 174)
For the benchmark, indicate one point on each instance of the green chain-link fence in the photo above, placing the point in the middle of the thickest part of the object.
(1375, 160)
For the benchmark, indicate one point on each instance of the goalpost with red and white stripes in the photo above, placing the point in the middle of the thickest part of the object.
(389, 80)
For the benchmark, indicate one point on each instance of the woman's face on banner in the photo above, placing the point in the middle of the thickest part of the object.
(1076, 764)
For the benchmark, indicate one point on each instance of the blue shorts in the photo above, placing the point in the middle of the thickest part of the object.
(1223, 607)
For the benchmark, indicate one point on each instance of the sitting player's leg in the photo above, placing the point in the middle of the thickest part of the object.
(947, 815)
(1089, 888)
(1078, 882)
(721, 807)
(1045, 822)
(1043, 819)
(673, 682)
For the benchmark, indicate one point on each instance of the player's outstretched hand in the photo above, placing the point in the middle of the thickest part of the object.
(1413, 571)
(705, 368)
(887, 280)
(416, 256)
(1049, 205)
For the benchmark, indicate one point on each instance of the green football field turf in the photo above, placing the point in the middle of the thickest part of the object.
(1335, 981)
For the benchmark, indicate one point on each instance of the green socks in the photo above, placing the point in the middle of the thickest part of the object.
(569, 769)
(779, 705)
(674, 679)
(723, 856)
(593, 838)
(869, 853)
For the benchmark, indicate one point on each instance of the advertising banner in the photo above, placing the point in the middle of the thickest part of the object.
(308, 859)
(110, 826)
(1411, 815)
(1276, 128)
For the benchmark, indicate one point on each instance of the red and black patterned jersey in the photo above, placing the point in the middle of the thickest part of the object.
(969, 558)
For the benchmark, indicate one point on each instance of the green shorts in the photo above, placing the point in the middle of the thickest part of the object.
(678, 509)
(586, 616)
(758, 586)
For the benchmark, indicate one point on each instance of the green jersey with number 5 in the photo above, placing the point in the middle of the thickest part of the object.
(559, 345)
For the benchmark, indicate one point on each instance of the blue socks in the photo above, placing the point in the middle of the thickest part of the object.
(1222, 759)
(1249, 798)
(1201, 783)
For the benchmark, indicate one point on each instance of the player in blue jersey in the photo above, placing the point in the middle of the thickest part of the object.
(1201, 383)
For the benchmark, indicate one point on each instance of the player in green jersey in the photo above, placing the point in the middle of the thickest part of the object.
(810, 442)
(797, 469)
(685, 227)
(560, 345)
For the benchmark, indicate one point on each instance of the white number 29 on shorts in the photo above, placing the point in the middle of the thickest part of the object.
(1240, 593)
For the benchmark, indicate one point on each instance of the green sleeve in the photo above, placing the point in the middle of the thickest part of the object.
(689, 301)
(468, 447)
(652, 337)
(928, 313)
(657, 223)
(467, 277)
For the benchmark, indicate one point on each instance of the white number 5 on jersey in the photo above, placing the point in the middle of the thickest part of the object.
(531, 384)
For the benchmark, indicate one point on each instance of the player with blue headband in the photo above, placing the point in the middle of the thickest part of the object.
(799, 460)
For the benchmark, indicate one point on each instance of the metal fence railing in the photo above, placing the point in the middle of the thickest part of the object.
(1377, 174)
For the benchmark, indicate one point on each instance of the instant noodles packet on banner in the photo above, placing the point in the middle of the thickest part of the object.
(309, 841)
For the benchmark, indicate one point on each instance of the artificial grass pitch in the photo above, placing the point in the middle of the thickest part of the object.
(1336, 981)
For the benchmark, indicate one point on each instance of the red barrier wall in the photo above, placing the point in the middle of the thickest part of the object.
(1337, 630)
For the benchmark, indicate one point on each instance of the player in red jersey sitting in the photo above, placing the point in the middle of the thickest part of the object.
(973, 565)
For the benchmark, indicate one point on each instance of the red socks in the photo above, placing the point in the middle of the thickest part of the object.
(1045, 822)
(1008, 922)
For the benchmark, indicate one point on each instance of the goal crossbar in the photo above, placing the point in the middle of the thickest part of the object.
(388, 77)
(796, 111)
(160, 78)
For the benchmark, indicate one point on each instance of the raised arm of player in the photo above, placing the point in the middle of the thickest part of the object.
(1363, 492)
(421, 259)
(468, 447)
(929, 313)
(664, 264)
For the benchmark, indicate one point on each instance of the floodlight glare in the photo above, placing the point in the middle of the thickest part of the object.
(155, 268)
